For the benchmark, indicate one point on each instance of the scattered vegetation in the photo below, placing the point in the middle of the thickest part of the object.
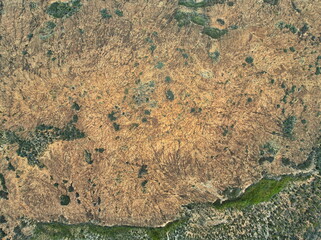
(64, 9)
(37, 141)
(214, 33)
(288, 126)
(198, 4)
(292, 28)
(105, 14)
(185, 18)
(143, 91)
(214, 55)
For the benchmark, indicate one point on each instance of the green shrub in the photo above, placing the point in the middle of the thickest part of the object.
(214, 55)
(88, 158)
(170, 95)
(214, 32)
(63, 9)
(119, 13)
(199, 19)
(64, 200)
(105, 14)
(249, 60)
(271, 2)
(116, 126)
(220, 21)
(159, 65)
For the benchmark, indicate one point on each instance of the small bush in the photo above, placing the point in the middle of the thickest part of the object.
(170, 95)
(214, 55)
(249, 60)
(105, 14)
(271, 2)
(119, 13)
(64, 200)
(214, 32)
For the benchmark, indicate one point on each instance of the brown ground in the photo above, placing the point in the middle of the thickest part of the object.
(190, 156)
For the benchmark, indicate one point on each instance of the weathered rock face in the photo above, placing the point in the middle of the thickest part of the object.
(120, 112)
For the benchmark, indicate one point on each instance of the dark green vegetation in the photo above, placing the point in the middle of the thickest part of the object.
(249, 60)
(290, 27)
(142, 171)
(88, 158)
(288, 126)
(116, 126)
(272, 2)
(64, 200)
(105, 14)
(159, 65)
(262, 191)
(58, 231)
(199, 4)
(119, 13)
(214, 55)
(267, 152)
(185, 18)
(37, 141)
(45, 32)
(169, 95)
(64, 9)
(214, 33)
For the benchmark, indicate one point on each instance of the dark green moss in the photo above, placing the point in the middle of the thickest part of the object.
(214, 33)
